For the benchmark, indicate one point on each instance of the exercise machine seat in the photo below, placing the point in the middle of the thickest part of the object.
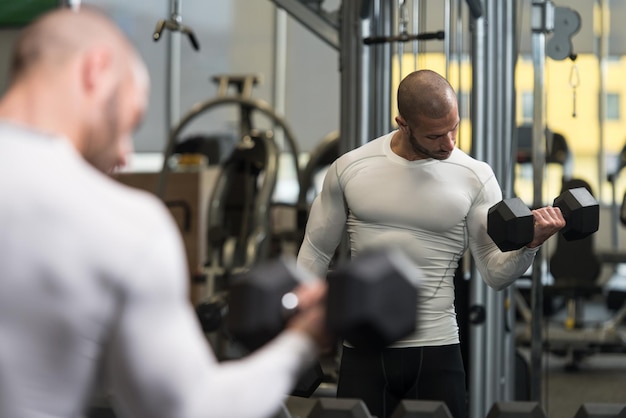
(574, 264)
(239, 222)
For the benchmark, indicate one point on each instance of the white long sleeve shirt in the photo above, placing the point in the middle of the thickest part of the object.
(93, 293)
(431, 209)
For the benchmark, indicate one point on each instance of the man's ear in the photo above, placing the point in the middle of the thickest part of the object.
(97, 70)
(401, 122)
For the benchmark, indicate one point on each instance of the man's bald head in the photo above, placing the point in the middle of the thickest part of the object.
(425, 93)
(76, 75)
(62, 34)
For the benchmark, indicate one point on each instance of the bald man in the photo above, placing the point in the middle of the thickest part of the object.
(414, 190)
(93, 274)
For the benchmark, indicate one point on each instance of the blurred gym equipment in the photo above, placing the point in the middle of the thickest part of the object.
(575, 268)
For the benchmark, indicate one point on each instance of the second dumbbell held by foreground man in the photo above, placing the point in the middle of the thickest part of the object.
(413, 189)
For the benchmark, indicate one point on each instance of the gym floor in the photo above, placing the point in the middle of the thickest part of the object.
(600, 378)
(597, 378)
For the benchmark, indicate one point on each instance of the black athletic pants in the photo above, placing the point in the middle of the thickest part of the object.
(382, 380)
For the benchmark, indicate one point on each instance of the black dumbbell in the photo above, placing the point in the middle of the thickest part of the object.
(371, 301)
(510, 223)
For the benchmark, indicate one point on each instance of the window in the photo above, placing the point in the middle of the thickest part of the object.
(613, 110)
(527, 106)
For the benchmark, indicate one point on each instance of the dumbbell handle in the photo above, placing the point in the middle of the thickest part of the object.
(289, 305)
(289, 302)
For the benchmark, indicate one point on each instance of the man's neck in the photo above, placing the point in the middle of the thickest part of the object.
(399, 146)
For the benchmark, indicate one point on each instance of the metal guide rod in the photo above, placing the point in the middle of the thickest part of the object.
(402, 31)
(447, 46)
(173, 68)
(280, 69)
(477, 286)
(381, 122)
(320, 23)
(493, 335)
(356, 89)
(355, 92)
(602, 50)
(422, 17)
(458, 58)
(509, 151)
(510, 52)
(415, 26)
(174, 25)
(491, 342)
(542, 22)
(499, 127)
(455, 38)
(172, 92)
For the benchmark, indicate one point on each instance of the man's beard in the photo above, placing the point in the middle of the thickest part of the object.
(105, 136)
(423, 152)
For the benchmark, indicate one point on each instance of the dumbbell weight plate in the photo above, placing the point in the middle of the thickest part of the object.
(372, 301)
(510, 224)
(256, 312)
(581, 212)
(309, 381)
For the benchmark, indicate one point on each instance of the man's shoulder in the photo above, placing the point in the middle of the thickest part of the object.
(372, 148)
(136, 207)
(461, 157)
(479, 168)
(138, 225)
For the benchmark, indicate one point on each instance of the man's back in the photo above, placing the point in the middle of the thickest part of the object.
(75, 247)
